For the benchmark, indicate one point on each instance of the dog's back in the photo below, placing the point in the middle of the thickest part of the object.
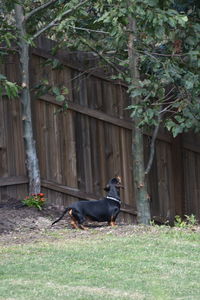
(99, 210)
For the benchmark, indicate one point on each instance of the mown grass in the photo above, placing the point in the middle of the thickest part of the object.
(162, 264)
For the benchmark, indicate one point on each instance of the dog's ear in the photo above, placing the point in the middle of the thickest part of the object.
(107, 188)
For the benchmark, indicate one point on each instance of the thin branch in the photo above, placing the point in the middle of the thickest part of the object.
(89, 72)
(165, 109)
(89, 30)
(162, 54)
(170, 55)
(147, 97)
(9, 49)
(170, 91)
(164, 99)
(53, 23)
(152, 146)
(147, 53)
(169, 106)
(36, 10)
(100, 55)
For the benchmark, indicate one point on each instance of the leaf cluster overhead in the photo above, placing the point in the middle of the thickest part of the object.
(167, 44)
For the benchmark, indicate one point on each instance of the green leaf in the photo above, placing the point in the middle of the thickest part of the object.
(150, 113)
(45, 81)
(60, 98)
(56, 91)
(8, 91)
(169, 124)
(65, 91)
(136, 93)
(2, 77)
(177, 130)
(56, 64)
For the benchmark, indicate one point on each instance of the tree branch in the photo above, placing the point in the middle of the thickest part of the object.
(100, 55)
(169, 55)
(162, 54)
(34, 11)
(53, 23)
(90, 30)
(152, 147)
(9, 49)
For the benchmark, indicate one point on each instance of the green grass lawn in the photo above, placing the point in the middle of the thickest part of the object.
(153, 264)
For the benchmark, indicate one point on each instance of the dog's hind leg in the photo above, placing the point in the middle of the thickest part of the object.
(112, 222)
(82, 227)
(76, 219)
(74, 222)
(81, 219)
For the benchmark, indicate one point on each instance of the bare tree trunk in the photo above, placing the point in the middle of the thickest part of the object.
(30, 148)
(140, 182)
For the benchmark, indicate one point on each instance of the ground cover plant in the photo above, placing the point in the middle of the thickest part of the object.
(126, 262)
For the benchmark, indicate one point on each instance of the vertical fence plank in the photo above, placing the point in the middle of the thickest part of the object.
(190, 183)
(177, 169)
(163, 184)
(3, 145)
(152, 179)
(100, 142)
(197, 209)
(80, 95)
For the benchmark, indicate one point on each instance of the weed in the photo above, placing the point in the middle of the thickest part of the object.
(187, 222)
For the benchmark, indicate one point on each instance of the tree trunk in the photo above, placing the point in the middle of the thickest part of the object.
(140, 182)
(30, 147)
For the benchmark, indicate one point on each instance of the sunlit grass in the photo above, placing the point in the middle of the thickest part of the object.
(163, 264)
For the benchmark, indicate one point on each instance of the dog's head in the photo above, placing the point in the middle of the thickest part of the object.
(116, 181)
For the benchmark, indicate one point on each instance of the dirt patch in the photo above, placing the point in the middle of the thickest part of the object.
(14, 216)
(20, 224)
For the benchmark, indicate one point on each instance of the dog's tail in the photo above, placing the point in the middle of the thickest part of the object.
(65, 211)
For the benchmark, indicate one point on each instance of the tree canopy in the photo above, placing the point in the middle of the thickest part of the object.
(167, 46)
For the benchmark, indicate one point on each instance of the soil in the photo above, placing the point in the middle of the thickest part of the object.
(20, 224)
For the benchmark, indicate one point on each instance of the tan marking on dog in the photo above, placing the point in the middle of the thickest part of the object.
(112, 222)
(83, 227)
(70, 212)
(73, 221)
(119, 179)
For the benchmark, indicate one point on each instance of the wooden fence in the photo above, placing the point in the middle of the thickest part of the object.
(80, 150)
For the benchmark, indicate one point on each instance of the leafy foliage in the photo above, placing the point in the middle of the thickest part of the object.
(60, 93)
(187, 222)
(167, 47)
(11, 89)
(40, 17)
(168, 53)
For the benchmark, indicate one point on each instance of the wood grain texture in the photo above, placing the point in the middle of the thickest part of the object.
(81, 149)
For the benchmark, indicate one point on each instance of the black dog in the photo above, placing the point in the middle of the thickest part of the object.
(105, 210)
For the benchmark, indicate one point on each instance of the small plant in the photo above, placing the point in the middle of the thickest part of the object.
(179, 222)
(35, 200)
(189, 221)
